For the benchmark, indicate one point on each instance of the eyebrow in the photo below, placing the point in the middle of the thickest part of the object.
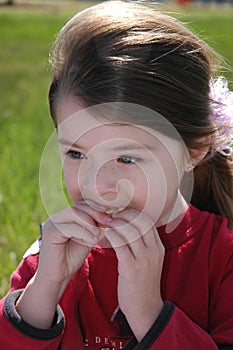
(126, 147)
(133, 147)
(66, 142)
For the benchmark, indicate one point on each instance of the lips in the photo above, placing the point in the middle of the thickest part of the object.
(102, 208)
(110, 211)
(99, 207)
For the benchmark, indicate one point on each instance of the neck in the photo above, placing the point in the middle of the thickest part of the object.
(173, 216)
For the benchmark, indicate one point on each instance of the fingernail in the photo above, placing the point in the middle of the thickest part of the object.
(96, 231)
(108, 219)
(118, 211)
(121, 208)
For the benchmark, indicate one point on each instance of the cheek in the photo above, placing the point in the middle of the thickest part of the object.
(71, 182)
(156, 187)
(139, 187)
(150, 187)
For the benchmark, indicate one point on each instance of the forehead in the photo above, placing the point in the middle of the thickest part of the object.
(99, 123)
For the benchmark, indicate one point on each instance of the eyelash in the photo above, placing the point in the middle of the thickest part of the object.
(135, 159)
(73, 154)
(122, 159)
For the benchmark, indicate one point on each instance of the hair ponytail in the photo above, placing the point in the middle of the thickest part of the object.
(213, 186)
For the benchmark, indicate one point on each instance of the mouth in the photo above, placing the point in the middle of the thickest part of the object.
(102, 208)
(110, 211)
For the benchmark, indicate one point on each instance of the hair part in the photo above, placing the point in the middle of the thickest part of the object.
(119, 51)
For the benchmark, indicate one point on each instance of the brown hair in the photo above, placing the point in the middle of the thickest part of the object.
(120, 51)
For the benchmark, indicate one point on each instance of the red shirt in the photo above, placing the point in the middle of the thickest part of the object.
(197, 285)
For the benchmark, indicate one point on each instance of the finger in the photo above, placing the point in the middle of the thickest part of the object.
(123, 234)
(128, 232)
(142, 222)
(76, 233)
(122, 249)
(101, 217)
(152, 237)
(73, 215)
(134, 238)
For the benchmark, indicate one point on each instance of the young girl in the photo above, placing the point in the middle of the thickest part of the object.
(132, 264)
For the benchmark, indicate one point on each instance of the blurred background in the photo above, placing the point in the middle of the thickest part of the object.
(27, 31)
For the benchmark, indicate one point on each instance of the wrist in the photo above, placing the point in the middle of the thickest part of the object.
(141, 323)
(22, 326)
(156, 329)
(35, 294)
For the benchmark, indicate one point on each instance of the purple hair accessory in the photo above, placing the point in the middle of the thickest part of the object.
(222, 113)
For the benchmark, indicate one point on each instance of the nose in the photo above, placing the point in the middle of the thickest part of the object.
(98, 183)
(107, 178)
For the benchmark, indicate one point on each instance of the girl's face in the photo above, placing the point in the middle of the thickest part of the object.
(113, 165)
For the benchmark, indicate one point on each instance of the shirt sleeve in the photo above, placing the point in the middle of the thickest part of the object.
(14, 330)
(174, 330)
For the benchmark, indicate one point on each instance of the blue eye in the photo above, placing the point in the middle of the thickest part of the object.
(76, 155)
(128, 159)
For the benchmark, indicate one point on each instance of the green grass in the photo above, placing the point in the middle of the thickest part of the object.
(24, 128)
(26, 37)
(216, 28)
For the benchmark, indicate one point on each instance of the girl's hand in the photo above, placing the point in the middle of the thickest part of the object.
(67, 238)
(140, 256)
